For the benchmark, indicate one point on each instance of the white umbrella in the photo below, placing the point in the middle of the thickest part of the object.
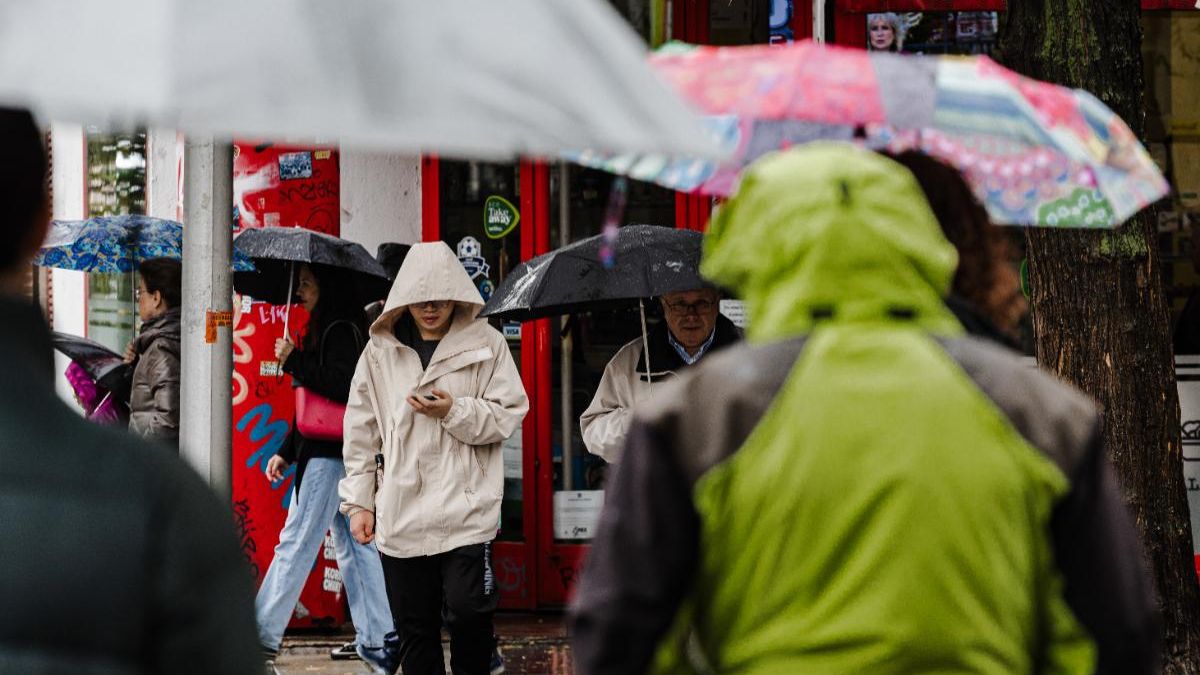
(478, 78)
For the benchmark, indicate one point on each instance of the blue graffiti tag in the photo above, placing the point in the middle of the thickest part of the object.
(277, 431)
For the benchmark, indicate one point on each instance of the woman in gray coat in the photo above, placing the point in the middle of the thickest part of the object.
(154, 396)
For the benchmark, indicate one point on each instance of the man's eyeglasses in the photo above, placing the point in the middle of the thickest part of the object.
(685, 308)
(432, 304)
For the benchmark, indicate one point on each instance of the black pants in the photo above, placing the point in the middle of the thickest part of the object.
(461, 583)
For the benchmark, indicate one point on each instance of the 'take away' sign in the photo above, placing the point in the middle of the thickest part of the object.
(499, 217)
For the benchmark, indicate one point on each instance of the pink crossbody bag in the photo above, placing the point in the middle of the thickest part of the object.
(318, 417)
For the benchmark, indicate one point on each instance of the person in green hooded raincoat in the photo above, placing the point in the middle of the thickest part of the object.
(861, 488)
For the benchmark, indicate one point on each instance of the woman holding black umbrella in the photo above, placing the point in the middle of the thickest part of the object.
(323, 364)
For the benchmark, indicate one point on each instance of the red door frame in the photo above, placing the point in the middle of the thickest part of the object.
(515, 562)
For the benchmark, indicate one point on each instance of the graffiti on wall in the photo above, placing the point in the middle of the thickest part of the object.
(287, 187)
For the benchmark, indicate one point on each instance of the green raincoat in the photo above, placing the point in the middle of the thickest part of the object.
(862, 489)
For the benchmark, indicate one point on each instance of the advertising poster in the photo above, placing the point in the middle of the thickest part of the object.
(288, 187)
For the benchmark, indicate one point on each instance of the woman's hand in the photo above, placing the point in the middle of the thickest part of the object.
(437, 407)
(275, 468)
(362, 527)
(283, 349)
(130, 352)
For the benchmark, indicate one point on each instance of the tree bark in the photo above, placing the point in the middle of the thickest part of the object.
(1099, 312)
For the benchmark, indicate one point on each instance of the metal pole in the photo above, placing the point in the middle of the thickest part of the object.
(818, 14)
(566, 363)
(206, 431)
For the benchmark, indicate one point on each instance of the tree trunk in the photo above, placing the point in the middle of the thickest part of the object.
(1099, 314)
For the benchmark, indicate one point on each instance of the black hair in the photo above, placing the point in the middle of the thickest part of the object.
(336, 301)
(163, 275)
(391, 255)
(22, 182)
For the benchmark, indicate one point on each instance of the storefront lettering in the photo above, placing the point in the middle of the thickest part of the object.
(499, 217)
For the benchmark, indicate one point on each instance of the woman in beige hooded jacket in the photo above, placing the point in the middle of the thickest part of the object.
(435, 393)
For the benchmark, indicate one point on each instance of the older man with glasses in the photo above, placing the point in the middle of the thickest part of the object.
(693, 328)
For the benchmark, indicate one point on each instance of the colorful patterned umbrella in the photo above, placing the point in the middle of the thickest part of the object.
(115, 244)
(1036, 153)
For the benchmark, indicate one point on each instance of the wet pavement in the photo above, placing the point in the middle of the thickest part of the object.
(530, 643)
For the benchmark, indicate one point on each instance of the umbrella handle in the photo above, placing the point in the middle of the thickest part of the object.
(646, 344)
(287, 312)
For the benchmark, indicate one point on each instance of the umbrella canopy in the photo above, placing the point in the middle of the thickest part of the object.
(472, 78)
(1035, 153)
(648, 261)
(276, 251)
(102, 364)
(114, 244)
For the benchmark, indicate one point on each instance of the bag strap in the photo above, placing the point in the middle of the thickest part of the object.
(358, 339)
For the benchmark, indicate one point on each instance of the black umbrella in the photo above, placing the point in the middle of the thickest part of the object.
(102, 364)
(276, 251)
(648, 261)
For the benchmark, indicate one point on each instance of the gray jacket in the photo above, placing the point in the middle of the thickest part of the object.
(154, 397)
(117, 559)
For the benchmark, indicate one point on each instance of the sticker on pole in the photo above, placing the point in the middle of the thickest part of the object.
(499, 217)
(214, 320)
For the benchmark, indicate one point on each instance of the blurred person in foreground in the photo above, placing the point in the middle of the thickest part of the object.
(985, 295)
(861, 488)
(117, 558)
(693, 327)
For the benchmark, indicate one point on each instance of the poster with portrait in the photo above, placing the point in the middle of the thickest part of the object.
(932, 32)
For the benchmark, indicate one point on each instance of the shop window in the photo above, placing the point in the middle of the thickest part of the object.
(586, 341)
(739, 22)
(1170, 46)
(480, 221)
(116, 185)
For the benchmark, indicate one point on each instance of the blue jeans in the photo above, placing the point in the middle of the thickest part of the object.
(313, 511)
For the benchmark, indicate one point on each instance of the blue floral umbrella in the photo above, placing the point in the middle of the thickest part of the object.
(116, 244)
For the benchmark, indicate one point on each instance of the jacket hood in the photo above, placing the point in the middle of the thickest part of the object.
(430, 271)
(829, 231)
(165, 326)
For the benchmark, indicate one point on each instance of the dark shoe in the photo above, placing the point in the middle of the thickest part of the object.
(378, 659)
(497, 667)
(345, 652)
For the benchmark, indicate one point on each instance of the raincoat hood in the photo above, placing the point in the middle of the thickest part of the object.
(829, 231)
(430, 271)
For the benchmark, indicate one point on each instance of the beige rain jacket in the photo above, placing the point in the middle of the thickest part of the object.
(443, 479)
(625, 387)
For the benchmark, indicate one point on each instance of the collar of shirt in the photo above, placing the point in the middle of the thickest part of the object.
(683, 353)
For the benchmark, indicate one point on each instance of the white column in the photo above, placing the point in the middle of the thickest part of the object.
(380, 198)
(69, 288)
(206, 433)
(163, 173)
